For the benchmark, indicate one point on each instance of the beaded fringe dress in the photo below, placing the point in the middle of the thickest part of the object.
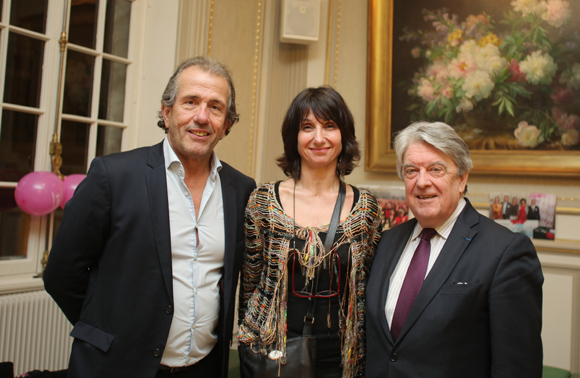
(264, 281)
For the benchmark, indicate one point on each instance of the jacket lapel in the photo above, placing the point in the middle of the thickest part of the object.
(461, 235)
(230, 216)
(157, 191)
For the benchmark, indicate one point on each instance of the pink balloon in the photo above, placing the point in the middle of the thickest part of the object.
(39, 193)
(70, 183)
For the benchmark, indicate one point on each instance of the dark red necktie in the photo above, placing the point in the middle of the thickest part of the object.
(413, 281)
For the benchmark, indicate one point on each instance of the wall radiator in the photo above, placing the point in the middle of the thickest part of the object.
(34, 333)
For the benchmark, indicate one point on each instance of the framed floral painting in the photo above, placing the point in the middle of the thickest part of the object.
(504, 74)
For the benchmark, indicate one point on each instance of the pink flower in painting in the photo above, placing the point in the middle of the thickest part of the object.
(514, 69)
(416, 52)
(559, 115)
(562, 95)
(446, 91)
(556, 12)
(426, 90)
(472, 21)
(462, 65)
(438, 71)
(527, 135)
(567, 122)
(572, 122)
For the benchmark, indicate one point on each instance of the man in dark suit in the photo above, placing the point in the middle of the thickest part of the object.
(533, 210)
(506, 208)
(451, 293)
(146, 261)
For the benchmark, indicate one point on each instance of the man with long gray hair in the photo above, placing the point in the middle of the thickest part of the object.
(451, 293)
(146, 261)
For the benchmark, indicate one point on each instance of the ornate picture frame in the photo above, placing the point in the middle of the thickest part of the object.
(380, 156)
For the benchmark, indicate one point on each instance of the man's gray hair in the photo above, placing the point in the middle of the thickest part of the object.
(210, 66)
(439, 135)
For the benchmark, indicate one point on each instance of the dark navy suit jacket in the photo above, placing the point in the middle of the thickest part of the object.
(477, 315)
(110, 267)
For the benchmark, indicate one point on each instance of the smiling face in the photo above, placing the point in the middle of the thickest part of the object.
(432, 187)
(197, 120)
(319, 143)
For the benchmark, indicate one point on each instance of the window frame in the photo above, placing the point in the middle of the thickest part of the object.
(22, 274)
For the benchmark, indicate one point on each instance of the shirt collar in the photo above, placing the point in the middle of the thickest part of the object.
(172, 159)
(445, 229)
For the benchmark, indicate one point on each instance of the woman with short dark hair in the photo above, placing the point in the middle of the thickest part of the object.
(286, 266)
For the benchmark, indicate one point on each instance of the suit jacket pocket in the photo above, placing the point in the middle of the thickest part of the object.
(89, 333)
(460, 288)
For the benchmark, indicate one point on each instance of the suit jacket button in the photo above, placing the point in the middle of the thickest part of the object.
(169, 309)
(157, 352)
(394, 357)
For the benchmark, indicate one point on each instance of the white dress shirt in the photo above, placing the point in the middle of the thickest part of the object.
(437, 243)
(197, 263)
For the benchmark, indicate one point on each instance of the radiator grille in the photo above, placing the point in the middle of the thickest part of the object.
(34, 333)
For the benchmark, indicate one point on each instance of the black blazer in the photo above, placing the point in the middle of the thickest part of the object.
(489, 326)
(110, 267)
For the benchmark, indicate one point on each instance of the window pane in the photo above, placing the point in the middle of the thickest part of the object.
(117, 23)
(78, 83)
(29, 14)
(23, 70)
(112, 99)
(83, 23)
(17, 145)
(14, 225)
(108, 140)
(75, 144)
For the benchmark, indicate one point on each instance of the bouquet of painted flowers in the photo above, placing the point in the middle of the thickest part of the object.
(523, 81)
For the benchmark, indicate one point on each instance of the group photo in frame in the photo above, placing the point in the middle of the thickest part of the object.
(518, 119)
(532, 214)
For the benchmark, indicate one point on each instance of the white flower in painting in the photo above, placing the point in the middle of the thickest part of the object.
(570, 138)
(527, 135)
(571, 77)
(488, 59)
(478, 85)
(526, 6)
(488, 51)
(556, 12)
(468, 47)
(464, 106)
(539, 68)
(494, 64)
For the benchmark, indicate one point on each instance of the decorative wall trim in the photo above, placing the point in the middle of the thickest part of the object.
(194, 29)
(259, 23)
